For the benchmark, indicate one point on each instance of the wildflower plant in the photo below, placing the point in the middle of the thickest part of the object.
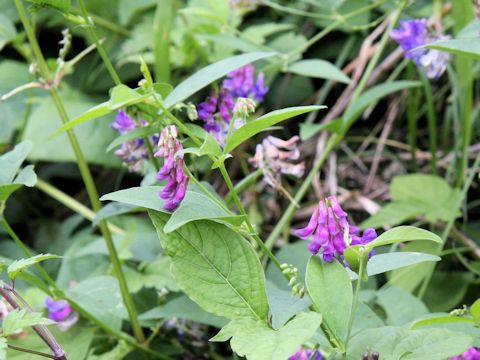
(191, 243)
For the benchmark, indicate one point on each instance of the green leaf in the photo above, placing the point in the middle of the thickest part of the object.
(257, 341)
(7, 31)
(183, 308)
(331, 292)
(468, 46)
(120, 96)
(309, 130)
(209, 74)
(16, 267)
(195, 206)
(447, 289)
(210, 146)
(414, 195)
(9, 166)
(62, 5)
(318, 68)
(216, 267)
(475, 310)
(372, 95)
(394, 343)
(17, 319)
(400, 306)
(284, 305)
(254, 127)
(101, 297)
(437, 320)
(403, 234)
(381, 263)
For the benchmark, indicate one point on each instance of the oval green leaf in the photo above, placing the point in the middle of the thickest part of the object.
(403, 234)
(318, 68)
(216, 267)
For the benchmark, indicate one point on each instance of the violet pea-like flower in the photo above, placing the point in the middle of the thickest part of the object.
(329, 228)
(170, 148)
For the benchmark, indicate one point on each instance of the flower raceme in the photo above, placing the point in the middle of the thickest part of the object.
(61, 312)
(471, 354)
(133, 152)
(170, 148)
(414, 33)
(331, 231)
(218, 109)
(306, 354)
(274, 157)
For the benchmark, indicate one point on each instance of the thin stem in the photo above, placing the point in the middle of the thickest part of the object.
(105, 23)
(432, 126)
(85, 173)
(244, 183)
(72, 204)
(356, 296)
(100, 49)
(412, 116)
(34, 352)
(242, 210)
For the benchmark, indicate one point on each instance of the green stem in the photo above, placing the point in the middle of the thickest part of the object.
(244, 183)
(33, 352)
(412, 116)
(85, 173)
(162, 23)
(432, 126)
(356, 297)
(250, 228)
(97, 42)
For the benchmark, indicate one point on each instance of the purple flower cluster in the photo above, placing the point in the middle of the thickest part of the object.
(330, 229)
(471, 354)
(306, 354)
(170, 148)
(133, 152)
(61, 312)
(216, 110)
(414, 33)
(273, 156)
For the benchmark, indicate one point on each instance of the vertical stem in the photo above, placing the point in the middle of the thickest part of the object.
(85, 173)
(412, 115)
(100, 49)
(432, 126)
(356, 296)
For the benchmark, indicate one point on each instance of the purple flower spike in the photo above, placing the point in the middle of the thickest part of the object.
(328, 225)
(170, 148)
(218, 109)
(414, 33)
(471, 354)
(306, 354)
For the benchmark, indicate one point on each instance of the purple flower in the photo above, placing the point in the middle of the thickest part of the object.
(414, 33)
(61, 312)
(306, 354)
(328, 225)
(471, 354)
(170, 148)
(133, 152)
(123, 123)
(274, 157)
(218, 109)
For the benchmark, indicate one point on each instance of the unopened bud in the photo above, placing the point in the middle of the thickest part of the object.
(243, 107)
(375, 356)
